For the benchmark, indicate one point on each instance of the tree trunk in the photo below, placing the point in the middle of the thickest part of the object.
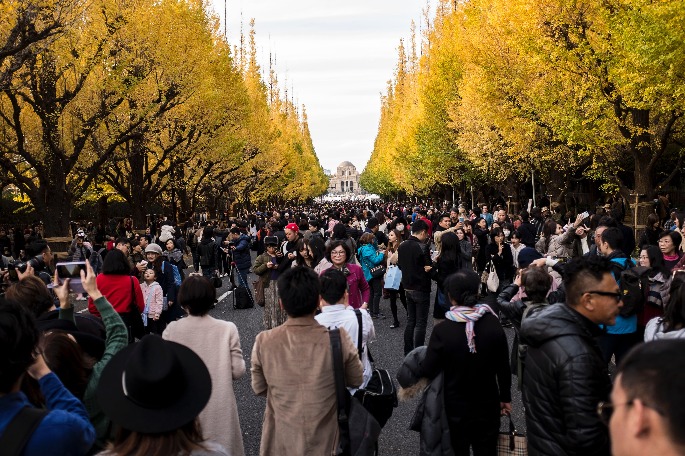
(54, 206)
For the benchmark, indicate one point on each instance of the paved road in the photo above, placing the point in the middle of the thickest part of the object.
(395, 439)
(388, 350)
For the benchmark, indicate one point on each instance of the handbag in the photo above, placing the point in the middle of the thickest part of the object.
(393, 278)
(259, 297)
(377, 272)
(359, 430)
(380, 395)
(512, 443)
(493, 279)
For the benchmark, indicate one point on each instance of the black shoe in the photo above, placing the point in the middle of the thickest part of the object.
(395, 325)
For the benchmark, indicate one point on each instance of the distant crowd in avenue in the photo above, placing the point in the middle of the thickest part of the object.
(597, 313)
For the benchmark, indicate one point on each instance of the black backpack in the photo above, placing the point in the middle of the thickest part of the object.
(634, 290)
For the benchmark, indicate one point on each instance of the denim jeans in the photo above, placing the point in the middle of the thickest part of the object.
(418, 305)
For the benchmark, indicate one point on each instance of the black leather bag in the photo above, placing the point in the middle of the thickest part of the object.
(380, 395)
(359, 430)
(133, 319)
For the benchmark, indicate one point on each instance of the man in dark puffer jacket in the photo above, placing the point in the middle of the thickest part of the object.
(564, 374)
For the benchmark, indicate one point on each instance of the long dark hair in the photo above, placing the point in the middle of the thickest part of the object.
(549, 228)
(674, 314)
(656, 260)
(179, 441)
(450, 248)
(67, 360)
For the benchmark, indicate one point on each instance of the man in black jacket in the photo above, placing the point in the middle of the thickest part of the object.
(413, 259)
(564, 373)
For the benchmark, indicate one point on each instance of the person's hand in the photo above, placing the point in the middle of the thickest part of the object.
(364, 306)
(155, 317)
(579, 221)
(28, 272)
(540, 262)
(427, 268)
(61, 291)
(39, 368)
(505, 408)
(141, 267)
(517, 280)
(500, 248)
(279, 254)
(171, 303)
(88, 282)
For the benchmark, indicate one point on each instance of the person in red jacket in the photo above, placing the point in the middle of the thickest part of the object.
(122, 290)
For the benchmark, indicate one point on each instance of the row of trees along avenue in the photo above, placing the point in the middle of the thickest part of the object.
(586, 89)
(141, 101)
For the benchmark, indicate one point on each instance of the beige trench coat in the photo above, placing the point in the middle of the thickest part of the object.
(293, 366)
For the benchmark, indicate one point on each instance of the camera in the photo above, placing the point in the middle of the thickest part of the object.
(36, 262)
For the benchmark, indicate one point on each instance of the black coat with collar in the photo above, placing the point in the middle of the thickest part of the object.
(564, 378)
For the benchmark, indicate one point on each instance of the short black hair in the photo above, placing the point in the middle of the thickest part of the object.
(419, 226)
(299, 289)
(676, 237)
(36, 247)
(333, 285)
(197, 294)
(582, 273)
(372, 223)
(315, 223)
(127, 241)
(674, 313)
(537, 283)
(613, 237)
(337, 243)
(462, 287)
(116, 263)
(607, 221)
(18, 340)
(655, 373)
(235, 230)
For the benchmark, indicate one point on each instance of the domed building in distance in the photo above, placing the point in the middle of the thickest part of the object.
(345, 180)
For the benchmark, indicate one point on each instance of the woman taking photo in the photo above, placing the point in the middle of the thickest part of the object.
(338, 253)
(369, 258)
(217, 343)
(394, 240)
(266, 267)
(470, 349)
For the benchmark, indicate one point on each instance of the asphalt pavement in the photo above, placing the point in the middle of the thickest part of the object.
(387, 349)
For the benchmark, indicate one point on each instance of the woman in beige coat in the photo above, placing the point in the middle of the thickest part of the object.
(218, 344)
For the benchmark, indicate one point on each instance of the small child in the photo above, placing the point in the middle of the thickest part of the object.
(154, 300)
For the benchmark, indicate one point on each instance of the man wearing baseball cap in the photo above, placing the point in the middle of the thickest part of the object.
(289, 246)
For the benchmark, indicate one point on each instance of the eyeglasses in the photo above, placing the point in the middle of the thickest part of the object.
(338, 252)
(606, 409)
(612, 294)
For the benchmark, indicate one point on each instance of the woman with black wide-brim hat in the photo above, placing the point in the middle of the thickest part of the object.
(153, 391)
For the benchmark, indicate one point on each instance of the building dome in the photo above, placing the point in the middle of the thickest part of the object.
(345, 163)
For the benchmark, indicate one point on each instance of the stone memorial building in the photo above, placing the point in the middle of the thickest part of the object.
(345, 180)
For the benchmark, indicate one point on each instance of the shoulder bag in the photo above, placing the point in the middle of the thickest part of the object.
(20, 430)
(133, 319)
(493, 279)
(359, 430)
(512, 443)
(380, 395)
(259, 297)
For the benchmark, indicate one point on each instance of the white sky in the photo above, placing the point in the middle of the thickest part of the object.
(338, 58)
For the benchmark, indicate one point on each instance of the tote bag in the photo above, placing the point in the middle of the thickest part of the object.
(393, 278)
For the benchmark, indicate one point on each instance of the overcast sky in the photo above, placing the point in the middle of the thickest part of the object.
(337, 56)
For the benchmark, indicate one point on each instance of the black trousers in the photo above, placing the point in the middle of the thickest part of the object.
(477, 434)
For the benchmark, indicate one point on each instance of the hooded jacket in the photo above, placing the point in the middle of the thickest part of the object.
(564, 378)
(241, 253)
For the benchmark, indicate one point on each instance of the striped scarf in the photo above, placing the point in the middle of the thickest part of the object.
(469, 315)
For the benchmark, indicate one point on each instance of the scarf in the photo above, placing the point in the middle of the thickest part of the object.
(469, 315)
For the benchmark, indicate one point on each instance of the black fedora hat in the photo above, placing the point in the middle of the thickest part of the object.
(154, 386)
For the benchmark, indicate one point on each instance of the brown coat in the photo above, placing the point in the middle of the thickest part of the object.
(292, 365)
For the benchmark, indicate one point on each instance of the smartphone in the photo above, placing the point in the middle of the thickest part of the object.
(143, 262)
(71, 270)
(585, 214)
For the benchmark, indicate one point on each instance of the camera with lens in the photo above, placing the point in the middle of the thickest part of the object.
(36, 263)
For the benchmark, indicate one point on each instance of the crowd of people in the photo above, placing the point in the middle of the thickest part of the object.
(148, 371)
